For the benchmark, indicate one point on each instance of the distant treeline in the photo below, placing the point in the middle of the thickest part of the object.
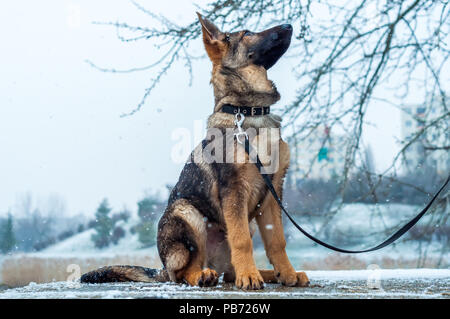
(35, 231)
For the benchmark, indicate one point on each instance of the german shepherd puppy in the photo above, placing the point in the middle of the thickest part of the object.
(207, 226)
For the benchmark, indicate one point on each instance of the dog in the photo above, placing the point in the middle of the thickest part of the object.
(207, 227)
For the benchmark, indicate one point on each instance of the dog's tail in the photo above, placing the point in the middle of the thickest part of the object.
(124, 274)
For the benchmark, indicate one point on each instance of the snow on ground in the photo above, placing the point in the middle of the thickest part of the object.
(397, 283)
(383, 274)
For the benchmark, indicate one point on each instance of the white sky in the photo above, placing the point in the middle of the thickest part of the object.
(60, 126)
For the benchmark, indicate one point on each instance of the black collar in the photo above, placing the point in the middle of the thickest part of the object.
(246, 110)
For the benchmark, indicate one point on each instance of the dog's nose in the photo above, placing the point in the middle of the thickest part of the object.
(286, 27)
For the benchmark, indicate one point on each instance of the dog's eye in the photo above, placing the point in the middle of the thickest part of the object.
(248, 33)
(227, 37)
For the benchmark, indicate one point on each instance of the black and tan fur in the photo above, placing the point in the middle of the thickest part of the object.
(212, 211)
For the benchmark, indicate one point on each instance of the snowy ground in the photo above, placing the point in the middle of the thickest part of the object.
(398, 283)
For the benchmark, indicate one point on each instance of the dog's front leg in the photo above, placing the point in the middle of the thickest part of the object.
(240, 242)
(272, 233)
(271, 230)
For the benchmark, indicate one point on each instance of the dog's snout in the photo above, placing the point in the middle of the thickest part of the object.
(272, 44)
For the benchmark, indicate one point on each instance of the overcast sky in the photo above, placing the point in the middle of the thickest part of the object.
(61, 133)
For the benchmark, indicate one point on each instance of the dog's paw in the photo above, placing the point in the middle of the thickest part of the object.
(303, 280)
(293, 279)
(249, 280)
(208, 278)
(287, 278)
(204, 278)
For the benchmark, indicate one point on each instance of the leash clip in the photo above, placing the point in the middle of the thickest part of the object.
(238, 120)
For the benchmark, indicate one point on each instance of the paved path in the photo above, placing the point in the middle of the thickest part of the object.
(411, 283)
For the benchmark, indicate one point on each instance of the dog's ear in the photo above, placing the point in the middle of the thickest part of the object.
(214, 46)
(210, 31)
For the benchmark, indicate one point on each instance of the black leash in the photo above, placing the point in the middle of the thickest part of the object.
(387, 242)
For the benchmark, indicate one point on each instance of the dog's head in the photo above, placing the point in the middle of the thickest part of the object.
(239, 49)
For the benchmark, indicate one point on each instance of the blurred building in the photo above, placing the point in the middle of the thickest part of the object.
(422, 152)
(321, 155)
